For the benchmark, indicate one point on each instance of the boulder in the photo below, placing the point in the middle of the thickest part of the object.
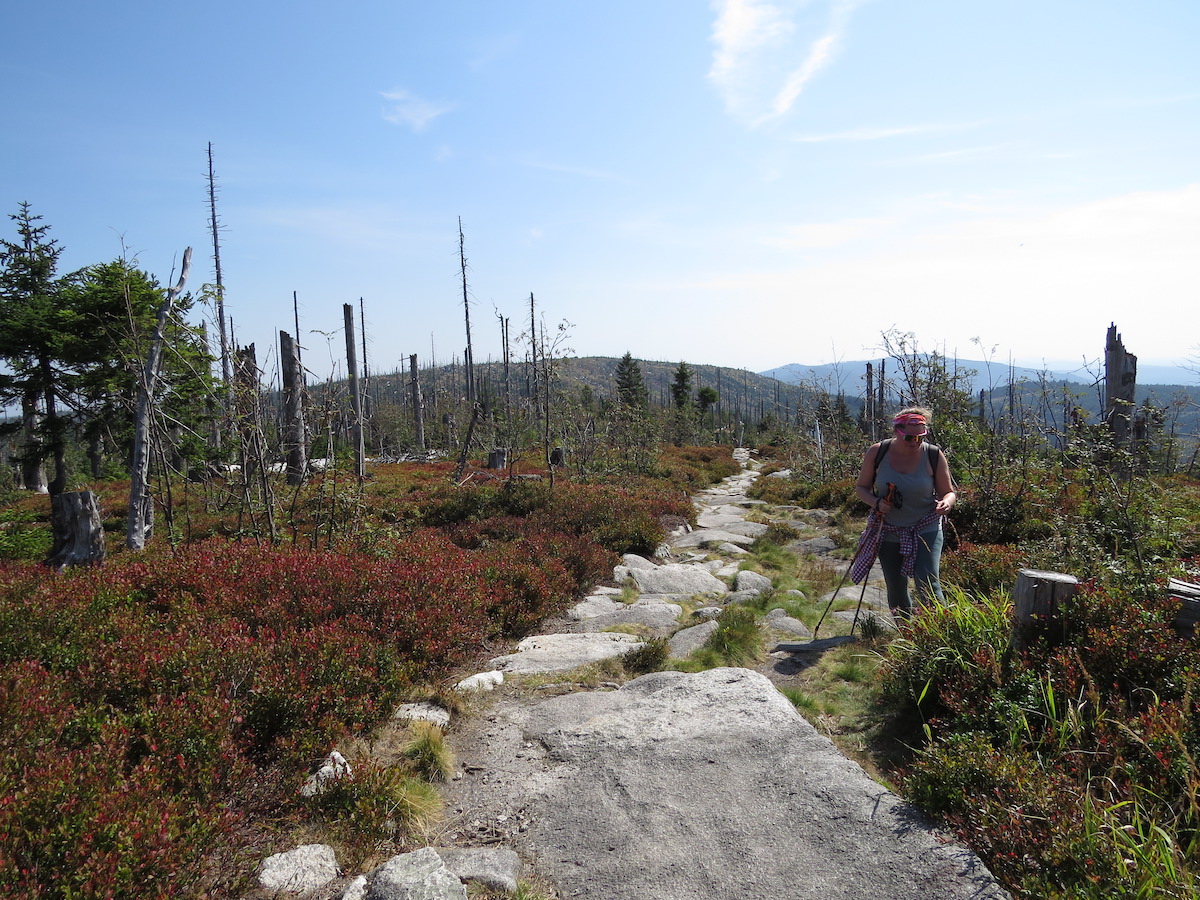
(748, 529)
(494, 868)
(742, 796)
(593, 606)
(678, 578)
(563, 652)
(703, 537)
(779, 620)
(656, 616)
(423, 712)
(818, 546)
(306, 868)
(751, 581)
(420, 875)
(688, 640)
(633, 561)
(484, 681)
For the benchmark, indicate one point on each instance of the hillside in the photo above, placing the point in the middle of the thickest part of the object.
(739, 389)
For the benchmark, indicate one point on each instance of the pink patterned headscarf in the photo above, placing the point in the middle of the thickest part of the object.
(911, 418)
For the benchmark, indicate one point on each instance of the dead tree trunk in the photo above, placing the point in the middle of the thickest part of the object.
(869, 397)
(417, 405)
(255, 470)
(293, 409)
(78, 530)
(360, 470)
(468, 356)
(466, 447)
(1120, 387)
(226, 367)
(140, 518)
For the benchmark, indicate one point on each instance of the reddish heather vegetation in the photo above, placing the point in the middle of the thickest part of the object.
(152, 708)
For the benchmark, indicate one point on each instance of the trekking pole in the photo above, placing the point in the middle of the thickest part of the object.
(878, 525)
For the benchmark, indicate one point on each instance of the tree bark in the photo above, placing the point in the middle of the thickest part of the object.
(33, 470)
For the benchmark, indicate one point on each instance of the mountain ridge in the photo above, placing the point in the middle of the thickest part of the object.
(848, 375)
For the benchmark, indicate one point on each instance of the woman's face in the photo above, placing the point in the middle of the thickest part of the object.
(911, 432)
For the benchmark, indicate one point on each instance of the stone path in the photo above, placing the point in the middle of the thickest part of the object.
(696, 787)
(673, 786)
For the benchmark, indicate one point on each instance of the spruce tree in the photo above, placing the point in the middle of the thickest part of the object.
(631, 387)
(681, 386)
(32, 323)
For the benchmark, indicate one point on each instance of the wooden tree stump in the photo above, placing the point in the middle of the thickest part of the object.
(1036, 603)
(78, 530)
(1188, 593)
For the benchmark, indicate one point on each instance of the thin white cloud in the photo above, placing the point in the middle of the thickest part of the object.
(964, 154)
(826, 235)
(582, 171)
(876, 134)
(406, 108)
(756, 47)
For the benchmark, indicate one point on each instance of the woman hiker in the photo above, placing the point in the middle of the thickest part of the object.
(906, 482)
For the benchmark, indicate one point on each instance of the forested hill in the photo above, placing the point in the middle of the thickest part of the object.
(594, 377)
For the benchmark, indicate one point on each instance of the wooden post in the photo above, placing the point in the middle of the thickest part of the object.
(78, 530)
(1036, 603)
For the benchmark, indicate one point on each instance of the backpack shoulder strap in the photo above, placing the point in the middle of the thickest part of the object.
(936, 455)
(879, 455)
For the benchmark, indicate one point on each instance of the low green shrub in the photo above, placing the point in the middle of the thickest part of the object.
(649, 656)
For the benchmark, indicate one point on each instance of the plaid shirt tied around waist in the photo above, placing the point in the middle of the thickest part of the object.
(872, 536)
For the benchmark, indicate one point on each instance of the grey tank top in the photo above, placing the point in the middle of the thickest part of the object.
(916, 490)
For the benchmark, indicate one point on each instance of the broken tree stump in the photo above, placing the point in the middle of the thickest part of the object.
(78, 530)
(1036, 605)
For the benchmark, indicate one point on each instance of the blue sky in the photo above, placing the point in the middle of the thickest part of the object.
(746, 183)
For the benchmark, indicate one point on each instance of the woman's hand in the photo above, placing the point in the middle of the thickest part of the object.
(946, 503)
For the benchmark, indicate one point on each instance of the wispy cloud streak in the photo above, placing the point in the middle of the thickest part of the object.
(876, 134)
(756, 45)
(406, 108)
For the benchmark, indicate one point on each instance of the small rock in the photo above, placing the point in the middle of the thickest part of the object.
(484, 681)
(333, 767)
(423, 712)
